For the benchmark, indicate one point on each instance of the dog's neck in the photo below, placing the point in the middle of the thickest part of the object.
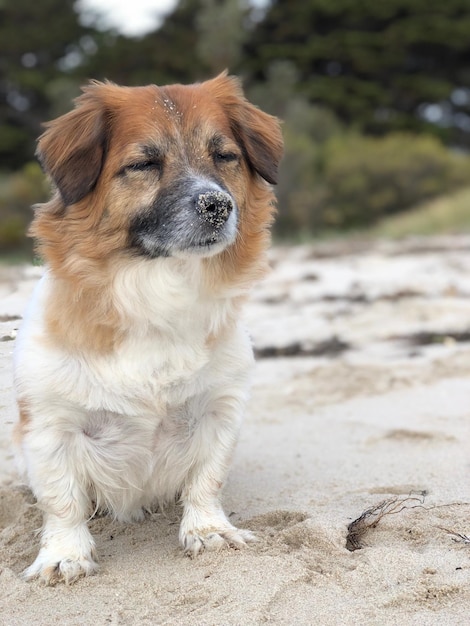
(171, 297)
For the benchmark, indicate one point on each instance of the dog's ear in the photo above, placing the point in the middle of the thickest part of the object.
(72, 149)
(258, 133)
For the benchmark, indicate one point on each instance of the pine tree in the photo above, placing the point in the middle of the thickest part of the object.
(41, 46)
(382, 65)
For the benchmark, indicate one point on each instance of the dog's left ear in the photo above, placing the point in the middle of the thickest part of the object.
(72, 148)
(258, 133)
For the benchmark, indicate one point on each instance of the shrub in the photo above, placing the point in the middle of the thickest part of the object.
(300, 191)
(339, 181)
(18, 192)
(367, 178)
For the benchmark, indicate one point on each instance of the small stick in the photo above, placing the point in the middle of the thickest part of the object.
(458, 537)
(372, 516)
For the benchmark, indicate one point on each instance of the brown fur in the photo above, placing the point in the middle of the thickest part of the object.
(82, 230)
(22, 424)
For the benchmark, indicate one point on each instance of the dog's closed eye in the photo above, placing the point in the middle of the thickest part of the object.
(142, 166)
(225, 157)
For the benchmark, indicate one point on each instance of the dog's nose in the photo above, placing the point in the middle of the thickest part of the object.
(215, 207)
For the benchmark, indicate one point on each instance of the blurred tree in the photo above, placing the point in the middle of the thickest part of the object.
(384, 65)
(18, 191)
(367, 178)
(331, 69)
(199, 38)
(41, 70)
(165, 55)
(41, 46)
(223, 26)
(307, 128)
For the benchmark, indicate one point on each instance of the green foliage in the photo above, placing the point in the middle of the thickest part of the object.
(377, 64)
(307, 129)
(354, 82)
(40, 42)
(166, 55)
(221, 33)
(17, 193)
(367, 178)
(335, 179)
(356, 180)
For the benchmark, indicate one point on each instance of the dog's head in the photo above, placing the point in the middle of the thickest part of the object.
(157, 171)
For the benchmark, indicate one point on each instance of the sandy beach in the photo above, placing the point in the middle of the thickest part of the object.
(353, 466)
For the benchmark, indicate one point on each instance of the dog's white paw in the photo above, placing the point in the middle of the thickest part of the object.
(194, 542)
(52, 570)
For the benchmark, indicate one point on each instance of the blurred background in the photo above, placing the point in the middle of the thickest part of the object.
(375, 98)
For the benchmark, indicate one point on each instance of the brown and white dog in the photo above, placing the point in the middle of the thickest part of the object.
(132, 365)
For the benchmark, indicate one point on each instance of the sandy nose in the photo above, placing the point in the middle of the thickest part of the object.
(215, 207)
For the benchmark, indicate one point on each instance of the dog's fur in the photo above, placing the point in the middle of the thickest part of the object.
(132, 365)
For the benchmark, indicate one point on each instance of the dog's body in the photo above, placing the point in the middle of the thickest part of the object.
(132, 365)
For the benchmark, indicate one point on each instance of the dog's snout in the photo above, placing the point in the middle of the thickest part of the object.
(215, 207)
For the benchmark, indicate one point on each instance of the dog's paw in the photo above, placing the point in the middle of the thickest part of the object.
(51, 570)
(195, 542)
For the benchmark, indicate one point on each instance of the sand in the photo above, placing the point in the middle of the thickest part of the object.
(361, 402)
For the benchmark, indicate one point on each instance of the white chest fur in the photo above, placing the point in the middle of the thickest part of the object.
(165, 357)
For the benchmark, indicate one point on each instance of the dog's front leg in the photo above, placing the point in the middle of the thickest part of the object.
(67, 552)
(67, 547)
(204, 524)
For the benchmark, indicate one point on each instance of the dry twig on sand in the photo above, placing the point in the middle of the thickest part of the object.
(457, 537)
(372, 516)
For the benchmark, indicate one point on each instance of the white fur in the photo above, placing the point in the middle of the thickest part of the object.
(157, 417)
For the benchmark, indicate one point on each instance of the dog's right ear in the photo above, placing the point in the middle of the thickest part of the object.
(72, 149)
(258, 133)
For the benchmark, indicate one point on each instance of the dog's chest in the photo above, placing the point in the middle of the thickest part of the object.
(174, 347)
(149, 373)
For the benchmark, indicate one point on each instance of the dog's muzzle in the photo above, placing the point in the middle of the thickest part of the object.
(186, 218)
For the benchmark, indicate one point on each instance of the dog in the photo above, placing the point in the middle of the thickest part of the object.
(132, 365)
